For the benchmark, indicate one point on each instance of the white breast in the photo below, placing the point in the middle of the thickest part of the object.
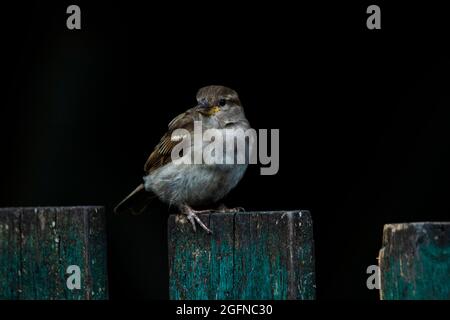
(197, 184)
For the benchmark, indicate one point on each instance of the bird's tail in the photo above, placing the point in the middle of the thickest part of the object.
(136, 201)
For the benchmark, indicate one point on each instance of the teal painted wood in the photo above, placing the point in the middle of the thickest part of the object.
(415, 261)
(38, 244)
(254, 255)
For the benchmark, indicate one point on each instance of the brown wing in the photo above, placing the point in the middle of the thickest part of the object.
(161, 154)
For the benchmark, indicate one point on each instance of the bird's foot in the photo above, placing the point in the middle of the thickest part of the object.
(224, 209)
(191, 215)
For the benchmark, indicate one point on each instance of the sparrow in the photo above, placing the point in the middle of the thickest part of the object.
(195, 184)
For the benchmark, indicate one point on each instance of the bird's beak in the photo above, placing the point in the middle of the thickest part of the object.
(209, 111)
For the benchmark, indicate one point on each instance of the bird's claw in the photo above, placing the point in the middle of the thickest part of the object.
(193, 219)
(200, 222)
(224, 209)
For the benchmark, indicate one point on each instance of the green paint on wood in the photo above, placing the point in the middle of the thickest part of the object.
(222, 257)
(415, 261)
(38, 244)
(262, 255)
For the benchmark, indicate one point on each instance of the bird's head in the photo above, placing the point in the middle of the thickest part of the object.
(220, 102)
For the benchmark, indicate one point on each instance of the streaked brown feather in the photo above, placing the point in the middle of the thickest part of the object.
(161, 154)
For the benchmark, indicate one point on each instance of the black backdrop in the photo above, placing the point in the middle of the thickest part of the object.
(363, 118)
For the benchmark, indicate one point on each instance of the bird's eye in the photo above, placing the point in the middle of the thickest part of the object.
(222, 102)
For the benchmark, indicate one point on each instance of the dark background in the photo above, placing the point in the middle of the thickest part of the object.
(363, 118)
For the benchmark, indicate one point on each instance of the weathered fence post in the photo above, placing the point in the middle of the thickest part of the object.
(45, 251)
(415, 261)
(254, 255)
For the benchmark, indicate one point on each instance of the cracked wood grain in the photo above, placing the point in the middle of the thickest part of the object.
(415, 261)
(38, 244)
(251, 255)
